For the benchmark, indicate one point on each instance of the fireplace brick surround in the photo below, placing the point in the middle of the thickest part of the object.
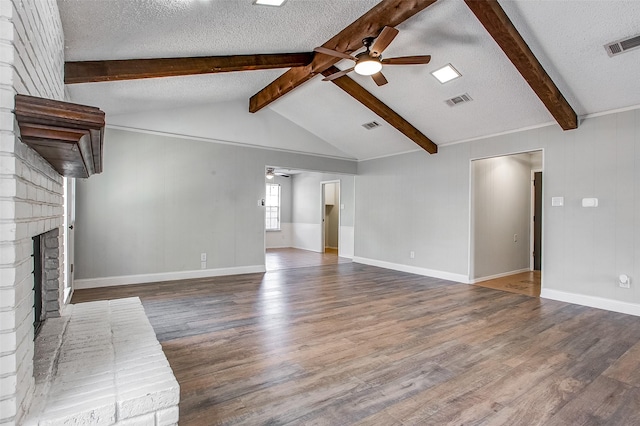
(31, 204)
(31, 191)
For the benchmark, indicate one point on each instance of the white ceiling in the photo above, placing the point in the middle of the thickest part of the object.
(566, 36)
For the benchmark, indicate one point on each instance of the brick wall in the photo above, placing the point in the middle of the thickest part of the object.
(32, 63)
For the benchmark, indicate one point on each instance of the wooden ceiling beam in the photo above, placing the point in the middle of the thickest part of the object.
(131, 69)
(497, 23)
(387, 12)
(382, 110)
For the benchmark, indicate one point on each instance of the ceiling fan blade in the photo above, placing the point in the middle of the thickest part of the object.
(408, 60)
(382, 42)
(338, 74)
(379, 79)
(335, 53)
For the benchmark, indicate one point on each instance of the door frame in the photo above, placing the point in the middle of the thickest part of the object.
(69, 220)
(533, 212)
(471, 240)
(322, 212)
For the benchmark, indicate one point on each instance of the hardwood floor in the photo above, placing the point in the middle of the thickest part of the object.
(524, 283)
(288, 258)
(353, 344)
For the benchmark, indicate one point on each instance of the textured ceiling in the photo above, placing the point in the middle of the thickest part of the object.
(566, 36)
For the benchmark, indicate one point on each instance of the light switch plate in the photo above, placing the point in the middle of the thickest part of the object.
(589, 202)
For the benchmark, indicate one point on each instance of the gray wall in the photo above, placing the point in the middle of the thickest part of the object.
(307, 211)
(501, 206)
(285, 197)
(421, 202)
(162, 201)
(307, 196)
(415, 202)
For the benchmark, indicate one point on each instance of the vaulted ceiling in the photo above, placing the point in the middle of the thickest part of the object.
(566, 37)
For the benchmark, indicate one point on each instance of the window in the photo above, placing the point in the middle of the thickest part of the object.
(272, 207)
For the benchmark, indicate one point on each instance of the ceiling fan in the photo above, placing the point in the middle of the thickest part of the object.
(370, 61)
(271, 173)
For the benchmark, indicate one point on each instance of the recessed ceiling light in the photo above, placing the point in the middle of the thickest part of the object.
(446, 73)
(269, 2)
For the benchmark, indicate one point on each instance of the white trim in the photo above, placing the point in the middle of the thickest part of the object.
(226, 142)
(508, 132)
(413, 269)
(166, 276)
(592, 301)
(471, 264)
(323, 231)
(470, 258)
(391, 155)
(493, 277)
(67, 296)
(612, 111)
(510, 153)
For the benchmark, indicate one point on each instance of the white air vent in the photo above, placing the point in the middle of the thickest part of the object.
(372, 125)
(622, 46)
(459, 100)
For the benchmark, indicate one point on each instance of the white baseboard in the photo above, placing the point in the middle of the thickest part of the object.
(165, 276)
(493, 277)
(276, 246)
(413, 269)
(592, 301)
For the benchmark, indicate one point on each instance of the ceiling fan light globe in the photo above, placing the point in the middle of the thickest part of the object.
(368, 67)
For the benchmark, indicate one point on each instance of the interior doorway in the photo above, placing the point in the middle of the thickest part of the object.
(330, 216)
(506, 222)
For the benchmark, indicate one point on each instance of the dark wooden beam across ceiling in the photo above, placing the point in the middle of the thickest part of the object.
(131, 69)
(382, 110)
(497, 23)
(387, 12)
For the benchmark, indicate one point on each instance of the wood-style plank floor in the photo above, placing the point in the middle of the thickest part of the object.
(523, 283)
(347, 343)
(289, 258)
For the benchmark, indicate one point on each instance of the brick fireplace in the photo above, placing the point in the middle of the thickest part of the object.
(31, 191)
(32, 205)
(46, 277)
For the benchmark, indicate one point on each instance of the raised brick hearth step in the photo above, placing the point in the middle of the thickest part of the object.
(101, 364)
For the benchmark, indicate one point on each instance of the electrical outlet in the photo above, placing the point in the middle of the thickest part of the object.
(412, 254)
(203, 257)
(203, 265)
(624, 281)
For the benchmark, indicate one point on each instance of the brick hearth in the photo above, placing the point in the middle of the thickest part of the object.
(101, 364)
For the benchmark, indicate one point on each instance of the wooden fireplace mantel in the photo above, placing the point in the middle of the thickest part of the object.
(69, 136)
